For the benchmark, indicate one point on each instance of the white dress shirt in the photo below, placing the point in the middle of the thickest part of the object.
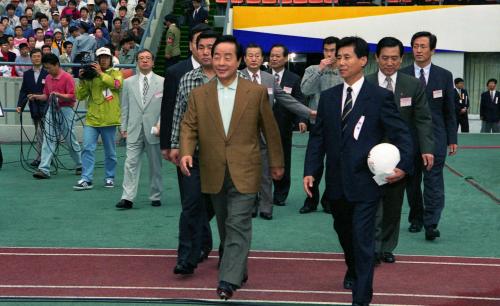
(196, 65)
(250, 73)
(226, 97)
(427, 70)
(356, 88)
(382, 79)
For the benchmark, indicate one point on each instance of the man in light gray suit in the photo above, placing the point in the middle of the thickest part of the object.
(253, 60)
(141, 106)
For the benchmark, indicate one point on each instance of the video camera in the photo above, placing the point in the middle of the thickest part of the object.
(86, 64)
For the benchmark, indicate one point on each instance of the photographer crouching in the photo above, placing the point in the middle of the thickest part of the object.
(100, 85)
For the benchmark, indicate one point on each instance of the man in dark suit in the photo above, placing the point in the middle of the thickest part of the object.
(170, 87)
(410, 99)
(462, 105)
(33, 82)
(197, 15)
(489, 111)
(290, 83)
(352, 118)
(438, 84)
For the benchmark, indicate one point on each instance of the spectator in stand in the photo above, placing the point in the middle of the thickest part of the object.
(71, 10)
(197, 15)
(12, 48)
(29, 4)
(65, 25)
(99, 23)
(46, 49)
(10, 9)
(19, 7)
(84, 15)
(33, 83)
(65, 57)
(58, 41)
(26, 27)
(55, 23)
(91, 7)
(172, 50)
(136, 31)
(31, 43)
(29, 15)
(489, 111)
(6, 56)
(122, 14)
(47, 41)
(139, 13)
(74, 32)
(39, 38)
(7, 29)
(107, 15)
(35, 22)
(82, 45)
(118, 33)
(42, 6)
(128, 51)
(23, 58)
(54, 7)
(19, 38)
(99, 38)
(44, 23)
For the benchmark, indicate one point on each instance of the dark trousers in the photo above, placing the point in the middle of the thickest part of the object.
(194, 228)
(315, 200)
(285, 123)
(427, 210)
(463, 122)
(389, 217)
(1, 158)
(354, 223)
(171, 61)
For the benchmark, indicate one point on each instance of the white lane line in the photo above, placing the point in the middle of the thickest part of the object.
(481, 298)
(250, 257)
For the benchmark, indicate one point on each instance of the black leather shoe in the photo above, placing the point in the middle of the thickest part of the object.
(415, 228)
(204, 255)
(432, 233)
(40, 175)
(183, 269)
(376, 260)
(279, 202)
(307, 209)
(266, 216)
(124, 204)
(348, 281)
(155, 203)
(245, 279)
(388, 257)
(225, 290)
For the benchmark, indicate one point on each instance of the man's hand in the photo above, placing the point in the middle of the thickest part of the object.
(398, 175)
(325, 63)
(312, 114)
(165, 153)
(308, 184)
(80, 73)
(452, 149)
(31, 96)
(18, 109)
(277, 173)
(97, 68)
(173, 156)
(428, 160)
(463, 110)
(302, 127)
(185, 164)
(124, 134)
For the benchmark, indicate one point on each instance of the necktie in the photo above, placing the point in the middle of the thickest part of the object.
(145, 90)
(422, 78)
(347, 108)
(254, 78)
(277, 79)
(389, 84)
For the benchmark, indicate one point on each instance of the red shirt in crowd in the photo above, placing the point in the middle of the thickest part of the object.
(63, 83)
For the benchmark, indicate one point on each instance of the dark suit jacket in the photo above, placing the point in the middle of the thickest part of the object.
(441, 99)
(29, 86)
(417, 115)
(171, 84)
(347, 173)
(200, 17)
(461, 101)
(290, 82)
(490, 110)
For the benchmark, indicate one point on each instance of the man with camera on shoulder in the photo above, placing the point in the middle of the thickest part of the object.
(100, 85)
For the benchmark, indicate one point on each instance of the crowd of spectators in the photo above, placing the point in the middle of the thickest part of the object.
(69, 29)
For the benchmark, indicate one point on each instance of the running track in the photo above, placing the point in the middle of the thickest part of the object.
(273, 277)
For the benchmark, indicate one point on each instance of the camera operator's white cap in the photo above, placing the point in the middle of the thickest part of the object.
(103, 51)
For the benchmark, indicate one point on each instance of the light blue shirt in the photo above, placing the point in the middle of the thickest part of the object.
(427, 70)
(226, 97)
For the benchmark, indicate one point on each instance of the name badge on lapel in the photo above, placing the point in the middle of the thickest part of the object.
(496, 100)
(269, 91)
(288, 90)
(357, 128)
(405, 102)
(108, 95)
(437, 93)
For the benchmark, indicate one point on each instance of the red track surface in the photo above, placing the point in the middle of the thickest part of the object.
(274, 276)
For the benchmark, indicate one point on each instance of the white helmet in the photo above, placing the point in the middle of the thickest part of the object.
(383, 158)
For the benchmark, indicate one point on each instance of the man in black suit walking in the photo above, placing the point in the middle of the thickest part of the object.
(438, 83)
(290, 83)
(462, 105)
(489, 111)
(352, 118)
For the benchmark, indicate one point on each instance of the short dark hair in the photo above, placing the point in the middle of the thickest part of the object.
(38, 29)
(285, 49)
(144, 51)
(330, 40)
(117, 19)
(198, 29)
(34, 51)
(46, 47)
(491, 80)
(47, 37)
(23, 17)
(254, 45)
(84, 8)
(170, 18)
(67, 43)
(123, 8)
(18, 27)
(43, 16)
(360, 46)
(135, 19)
(205, 35)
(10, 6)
(432, 38)
(139, 7)
(23, 45)
(67, 18)
(458, 80)
(390, 42)
(229, 39)
(97, 17)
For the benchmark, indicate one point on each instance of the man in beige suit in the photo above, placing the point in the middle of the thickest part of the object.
(224, 119)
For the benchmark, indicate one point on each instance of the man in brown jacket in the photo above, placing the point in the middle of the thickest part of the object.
(224, 120)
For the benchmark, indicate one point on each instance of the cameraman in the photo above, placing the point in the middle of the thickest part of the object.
(100, 86)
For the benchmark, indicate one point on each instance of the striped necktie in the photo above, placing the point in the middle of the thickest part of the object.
(347, 108)
(422, 78)
(145, 90)
(389, 84)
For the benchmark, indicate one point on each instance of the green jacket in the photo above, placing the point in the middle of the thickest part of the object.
(103, 93)
(173, 41)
